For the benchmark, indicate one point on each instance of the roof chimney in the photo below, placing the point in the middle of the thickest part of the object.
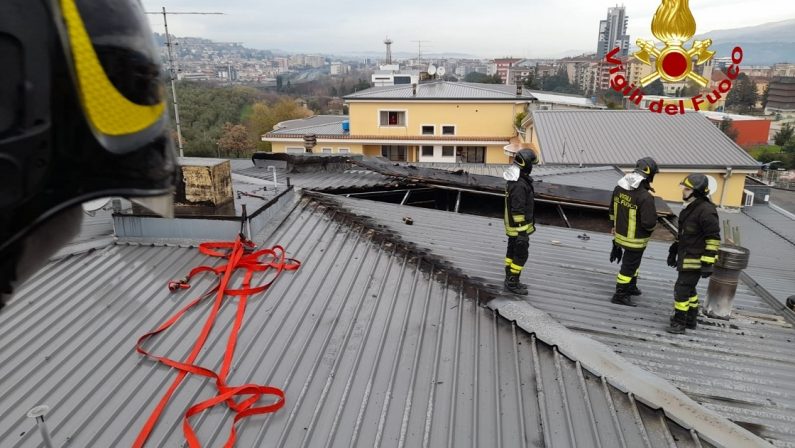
(518, 86)
(414, 90)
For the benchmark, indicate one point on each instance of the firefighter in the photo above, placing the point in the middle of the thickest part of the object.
(695, 251)
(634, 217)
(82, 116)
(519, 221)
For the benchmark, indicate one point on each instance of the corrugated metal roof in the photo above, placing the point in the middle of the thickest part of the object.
(318, 124)
(96, 231)
(620, 138)
(741, 368)
(439, 90)
(325, 180)
(770, 240)
(774, 218)
(568, 100)
(370, 347)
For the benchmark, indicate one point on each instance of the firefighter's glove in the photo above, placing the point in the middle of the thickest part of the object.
(616, 253)
(706, 270)
(672, 251)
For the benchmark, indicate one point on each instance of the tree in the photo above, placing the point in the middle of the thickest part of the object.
(279, 82)
(784, 134)
(743, 96)
(655, 88)
(483, 78)
(611, 99)
(532, 83)
(234, 141)
(690, 90)
(203, 110)
(727, 128)
(765, 94)
(264, 117)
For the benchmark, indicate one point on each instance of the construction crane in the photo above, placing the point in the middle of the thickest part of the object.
(171, 68)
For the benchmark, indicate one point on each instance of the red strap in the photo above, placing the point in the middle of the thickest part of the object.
(238, 258)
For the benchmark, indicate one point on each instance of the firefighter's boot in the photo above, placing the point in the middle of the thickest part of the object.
(678, 323)
(633, 287)
(692, 318)
(512, 285)
(622, 296)
(508, 274)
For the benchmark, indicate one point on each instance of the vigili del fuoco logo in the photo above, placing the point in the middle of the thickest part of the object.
(674, 25)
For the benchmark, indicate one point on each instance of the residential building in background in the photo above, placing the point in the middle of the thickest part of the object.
(613, 32)
(787, 70)
(636, 70)
(437, 121)
(781, 96)
(502, 66)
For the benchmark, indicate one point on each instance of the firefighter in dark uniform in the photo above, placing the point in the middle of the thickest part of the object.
(519, 221)
(695, 251)
(634, 217)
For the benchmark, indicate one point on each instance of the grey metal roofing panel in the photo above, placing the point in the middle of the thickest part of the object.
(741, 368)
(622, 137)
(318, 124)
(370, 349)
(570, 100)
(324, 180)
(442, 90)
(774, 218)
(95, 232)
(771, 245)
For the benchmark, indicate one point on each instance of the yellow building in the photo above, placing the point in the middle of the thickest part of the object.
(680, 145)
(438, 121)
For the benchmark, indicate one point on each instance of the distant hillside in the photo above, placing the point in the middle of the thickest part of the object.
(764, 44)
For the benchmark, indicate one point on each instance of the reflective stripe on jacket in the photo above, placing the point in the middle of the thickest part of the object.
(519, 203)
(634, 217)
(699, 235)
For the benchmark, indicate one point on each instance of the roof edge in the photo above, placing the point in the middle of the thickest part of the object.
(649, 388)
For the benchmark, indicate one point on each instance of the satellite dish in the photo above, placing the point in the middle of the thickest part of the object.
(440, 71)
(713, 184)
(431, 69)
(91, 207)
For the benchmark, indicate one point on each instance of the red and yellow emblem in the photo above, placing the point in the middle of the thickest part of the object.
(674, 25)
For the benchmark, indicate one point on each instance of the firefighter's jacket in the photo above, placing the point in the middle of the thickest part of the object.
(699, 235)
(633, 213)
(519, 203)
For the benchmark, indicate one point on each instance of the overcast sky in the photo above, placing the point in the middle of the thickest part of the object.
(486, 28)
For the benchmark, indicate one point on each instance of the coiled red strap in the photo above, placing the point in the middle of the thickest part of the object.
(239, 255)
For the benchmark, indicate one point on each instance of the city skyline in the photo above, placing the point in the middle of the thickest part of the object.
(362, 26)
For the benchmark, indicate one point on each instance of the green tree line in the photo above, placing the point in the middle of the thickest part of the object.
(214, 118)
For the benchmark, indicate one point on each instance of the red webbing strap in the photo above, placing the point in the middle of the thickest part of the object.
(238, 258)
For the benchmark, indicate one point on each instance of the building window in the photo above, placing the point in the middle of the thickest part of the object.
(344, 150)
(428, 129)
(327, 150)
(448, 130)
(395, 153)
(295, 150)
(393, 118)
(427, 151)
(448, 151)
(472, 154)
